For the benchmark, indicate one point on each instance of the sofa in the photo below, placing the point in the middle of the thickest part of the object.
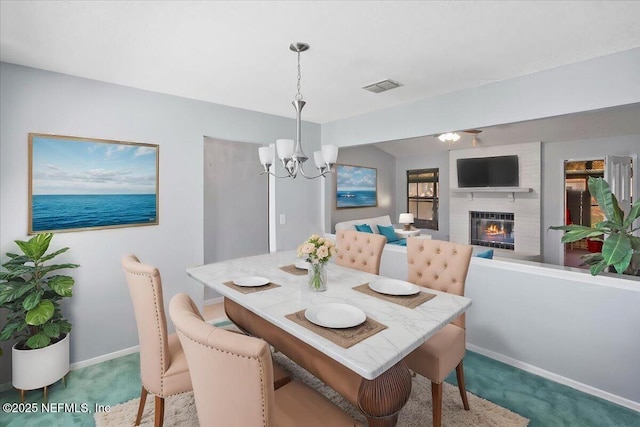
(372, 222)
(378, 225)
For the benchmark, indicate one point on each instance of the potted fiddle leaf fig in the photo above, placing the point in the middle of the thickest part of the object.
(620, 248)
(32, 294)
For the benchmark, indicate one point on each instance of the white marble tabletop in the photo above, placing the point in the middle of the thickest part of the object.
(406, 328)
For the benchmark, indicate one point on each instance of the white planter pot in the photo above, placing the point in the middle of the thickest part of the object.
(32, 369)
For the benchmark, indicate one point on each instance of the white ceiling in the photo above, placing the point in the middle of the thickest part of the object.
(237, 53)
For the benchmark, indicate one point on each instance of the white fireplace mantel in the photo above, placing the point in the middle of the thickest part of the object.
(509, 191)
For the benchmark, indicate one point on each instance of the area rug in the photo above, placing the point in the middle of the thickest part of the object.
(181, 410)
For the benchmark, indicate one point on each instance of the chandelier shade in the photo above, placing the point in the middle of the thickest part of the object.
(289, 151)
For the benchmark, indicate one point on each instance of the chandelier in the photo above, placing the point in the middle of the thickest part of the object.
(289, 151)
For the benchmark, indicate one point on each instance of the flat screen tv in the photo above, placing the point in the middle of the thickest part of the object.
(501, 171)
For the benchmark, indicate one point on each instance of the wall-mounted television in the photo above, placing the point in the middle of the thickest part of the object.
(500, 171)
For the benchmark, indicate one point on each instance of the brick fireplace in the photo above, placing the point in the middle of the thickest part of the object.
(519, 238)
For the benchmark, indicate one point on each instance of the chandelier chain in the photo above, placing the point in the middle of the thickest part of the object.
(299, 95)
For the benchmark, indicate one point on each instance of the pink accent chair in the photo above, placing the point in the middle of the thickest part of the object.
(360, 251)
(441, 266)
(232, 378)
(163, 365)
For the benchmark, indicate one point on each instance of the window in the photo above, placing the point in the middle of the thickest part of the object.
(422, 197)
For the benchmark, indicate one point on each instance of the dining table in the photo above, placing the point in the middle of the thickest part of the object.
(268, 296)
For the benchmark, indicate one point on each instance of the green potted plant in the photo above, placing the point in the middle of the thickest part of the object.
(620, 248)
(32, 295)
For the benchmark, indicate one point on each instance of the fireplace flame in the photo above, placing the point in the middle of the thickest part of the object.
(493, 229)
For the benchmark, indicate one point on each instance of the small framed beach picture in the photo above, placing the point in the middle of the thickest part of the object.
(356, 187)
(87, 184)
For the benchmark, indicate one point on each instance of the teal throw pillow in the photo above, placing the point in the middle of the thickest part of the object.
(388, 232)
(486, 254)
(399, 242)
(364, 228)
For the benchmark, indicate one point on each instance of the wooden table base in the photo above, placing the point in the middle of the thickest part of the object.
(381, 399)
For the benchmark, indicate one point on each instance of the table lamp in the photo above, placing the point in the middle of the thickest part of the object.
(406, 219)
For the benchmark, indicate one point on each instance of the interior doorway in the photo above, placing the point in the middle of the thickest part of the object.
(236, 197)
(580, 207)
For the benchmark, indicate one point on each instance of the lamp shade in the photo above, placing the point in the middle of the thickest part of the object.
(405, 218)
(330, 153)
(285, 148)
(318, 159)
(266, 155)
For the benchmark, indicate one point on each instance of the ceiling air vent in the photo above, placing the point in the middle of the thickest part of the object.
(382, 86)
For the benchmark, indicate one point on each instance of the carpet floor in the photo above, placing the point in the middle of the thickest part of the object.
(180, 410)
(545, 403)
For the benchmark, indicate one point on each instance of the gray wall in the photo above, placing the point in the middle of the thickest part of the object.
(553, 156)
(45, 102)
(371, 157)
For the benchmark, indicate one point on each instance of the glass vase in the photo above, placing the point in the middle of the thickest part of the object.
(318, 277)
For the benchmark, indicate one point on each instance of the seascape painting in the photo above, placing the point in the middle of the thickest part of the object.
(81, 183)
(356, 187)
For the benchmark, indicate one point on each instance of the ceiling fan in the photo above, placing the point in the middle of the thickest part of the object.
(451, 137)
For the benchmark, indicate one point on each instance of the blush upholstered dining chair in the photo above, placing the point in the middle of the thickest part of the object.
(232, 378)
(361, 251)
(163, 366)
(441, 266)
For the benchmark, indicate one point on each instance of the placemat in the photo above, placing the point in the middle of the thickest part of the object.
(250, 290)
(292, 269)
(346, 337)
(410, 301)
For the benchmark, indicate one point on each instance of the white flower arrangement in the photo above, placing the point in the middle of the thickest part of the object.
(317, 250)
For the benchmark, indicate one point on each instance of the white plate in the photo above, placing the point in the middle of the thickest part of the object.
(302, 264)
(251, 281)
(393, 287)
(335, 315)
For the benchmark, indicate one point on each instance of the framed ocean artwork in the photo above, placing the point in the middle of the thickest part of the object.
(87, 184)
(356, 187)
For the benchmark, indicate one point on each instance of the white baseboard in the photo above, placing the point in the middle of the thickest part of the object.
(104, 358)
(556, 378)
(90, 362)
